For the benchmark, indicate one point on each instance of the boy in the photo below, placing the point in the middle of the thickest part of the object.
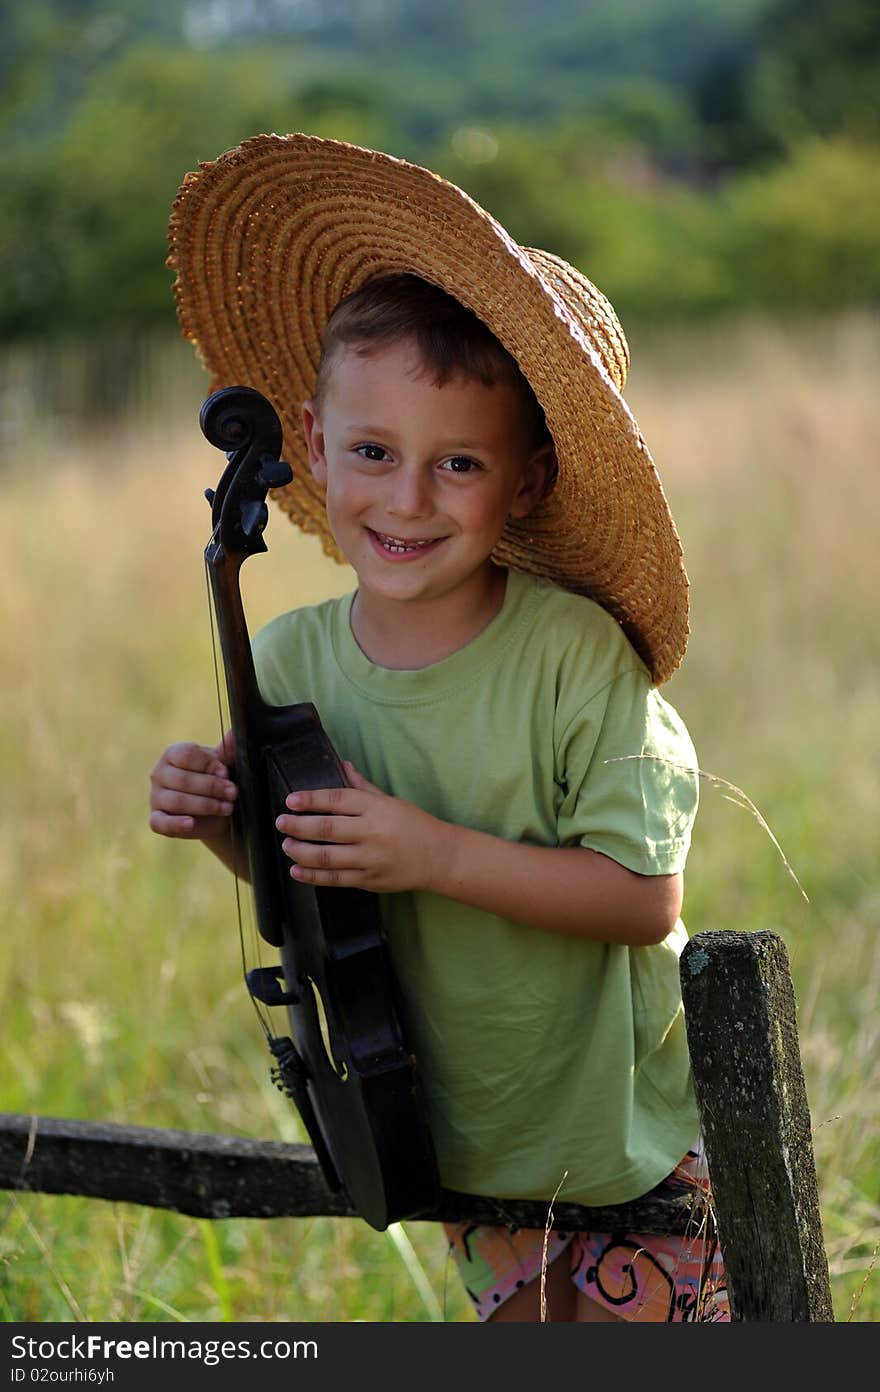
(529, 860)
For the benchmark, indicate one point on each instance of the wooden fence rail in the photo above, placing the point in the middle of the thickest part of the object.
(742, 1033)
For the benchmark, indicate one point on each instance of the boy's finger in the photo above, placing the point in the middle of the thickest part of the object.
(165, 825)
(185, 804)
(338, 830)
(185, 755)
(357, 779)
(187, 828)
(345, 801)
(334, 864)
(337, 879)
(184, 780)
(225, 749)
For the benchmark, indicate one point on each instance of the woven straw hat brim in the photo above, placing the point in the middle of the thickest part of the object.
(269, 237)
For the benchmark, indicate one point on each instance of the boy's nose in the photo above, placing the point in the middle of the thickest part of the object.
(410, 494)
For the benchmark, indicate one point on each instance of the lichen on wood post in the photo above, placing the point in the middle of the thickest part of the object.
(742, 1034)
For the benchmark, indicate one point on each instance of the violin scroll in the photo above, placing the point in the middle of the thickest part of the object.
(242, 423)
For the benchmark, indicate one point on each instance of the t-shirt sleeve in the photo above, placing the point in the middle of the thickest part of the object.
(627, 770)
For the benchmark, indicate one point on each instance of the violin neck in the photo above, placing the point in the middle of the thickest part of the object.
(246, 716)
(238, 662)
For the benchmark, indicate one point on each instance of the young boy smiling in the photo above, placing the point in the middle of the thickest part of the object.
(437, 470)
(420, 480)
(520, 794)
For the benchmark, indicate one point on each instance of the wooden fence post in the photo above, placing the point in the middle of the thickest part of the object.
(742, 1033)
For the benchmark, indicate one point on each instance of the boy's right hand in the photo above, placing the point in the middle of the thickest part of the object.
(191, 794)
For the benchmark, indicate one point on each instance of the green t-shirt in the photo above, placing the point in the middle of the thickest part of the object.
(540, 1054)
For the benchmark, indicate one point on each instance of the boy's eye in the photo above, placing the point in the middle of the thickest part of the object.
(375, 453)
(460, 464)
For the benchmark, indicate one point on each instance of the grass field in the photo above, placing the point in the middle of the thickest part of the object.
(119, 967)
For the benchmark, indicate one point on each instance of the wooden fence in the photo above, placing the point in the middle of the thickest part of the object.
(742, 1033)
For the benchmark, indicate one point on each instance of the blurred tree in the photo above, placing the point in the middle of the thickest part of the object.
(593, 196)
(806, 235)
(809, 67)
(824, 57)
(50, 49)
(83, 242)
(497, 59)
(614, 135)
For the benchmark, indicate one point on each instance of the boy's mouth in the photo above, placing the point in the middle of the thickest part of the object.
(401, 546)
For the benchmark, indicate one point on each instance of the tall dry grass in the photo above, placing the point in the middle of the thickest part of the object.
(119, 968)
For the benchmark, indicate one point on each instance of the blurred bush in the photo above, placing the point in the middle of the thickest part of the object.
(745, 177)
(806, 233)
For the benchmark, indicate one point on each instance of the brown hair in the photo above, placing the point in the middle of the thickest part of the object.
(451, 340)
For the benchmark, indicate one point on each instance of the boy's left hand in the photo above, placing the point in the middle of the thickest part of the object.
(359, 837)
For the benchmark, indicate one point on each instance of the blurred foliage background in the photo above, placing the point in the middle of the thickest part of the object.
(693, 159)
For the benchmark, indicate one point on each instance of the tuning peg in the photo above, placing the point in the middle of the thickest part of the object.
(274, 473)
(254, 516)
(210, 495)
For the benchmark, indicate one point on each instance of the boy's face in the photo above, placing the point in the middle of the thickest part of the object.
(419, 479)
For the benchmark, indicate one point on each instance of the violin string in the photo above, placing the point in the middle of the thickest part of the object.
(237, 848)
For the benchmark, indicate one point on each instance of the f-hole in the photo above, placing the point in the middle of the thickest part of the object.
(340, 1067)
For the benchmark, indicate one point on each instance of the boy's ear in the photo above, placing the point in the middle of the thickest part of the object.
(314, 433)
(539, 476)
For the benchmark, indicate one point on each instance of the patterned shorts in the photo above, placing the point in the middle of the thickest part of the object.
(671, 1279)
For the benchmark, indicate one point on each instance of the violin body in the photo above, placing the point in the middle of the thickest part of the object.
(346, 1065)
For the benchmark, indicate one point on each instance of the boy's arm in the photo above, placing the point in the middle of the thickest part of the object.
(360, 836)
(569, 890)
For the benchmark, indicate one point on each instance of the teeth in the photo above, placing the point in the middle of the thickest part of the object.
(396, 545)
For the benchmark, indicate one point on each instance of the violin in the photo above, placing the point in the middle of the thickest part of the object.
(345, 1064)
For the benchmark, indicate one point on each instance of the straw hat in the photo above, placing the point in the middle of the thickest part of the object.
(269, 237)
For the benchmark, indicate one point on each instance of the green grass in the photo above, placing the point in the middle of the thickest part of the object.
(120, 972)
